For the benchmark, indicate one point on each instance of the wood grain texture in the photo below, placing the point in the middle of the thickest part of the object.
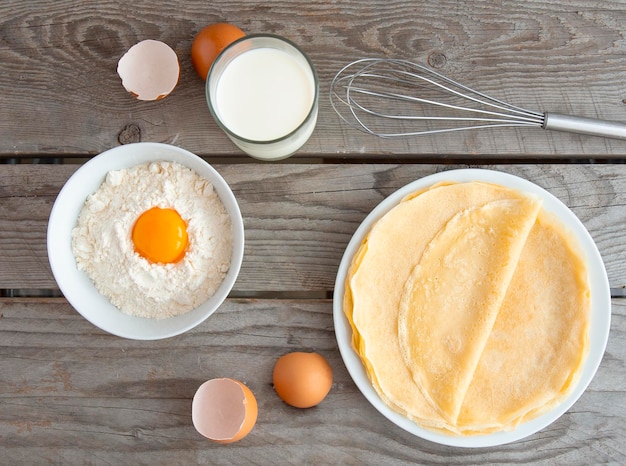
(299, 218)
(80, 396)
(60, 92)
(72, 394)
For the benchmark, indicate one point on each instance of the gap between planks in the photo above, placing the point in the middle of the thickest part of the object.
(55, 293)
(321, 294)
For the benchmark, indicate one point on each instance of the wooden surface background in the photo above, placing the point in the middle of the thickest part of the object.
(72, 394)
(61, 95)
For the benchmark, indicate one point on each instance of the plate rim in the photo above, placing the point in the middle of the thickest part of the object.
(600, 307)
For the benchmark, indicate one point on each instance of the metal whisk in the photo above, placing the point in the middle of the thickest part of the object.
(394, 98)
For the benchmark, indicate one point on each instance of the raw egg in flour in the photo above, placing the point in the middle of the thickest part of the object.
(224, 410)
(302, 379)
(160, 235)
(208, 44)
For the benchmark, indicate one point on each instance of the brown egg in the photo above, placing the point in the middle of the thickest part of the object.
(224, 410)
(302, 379)
(208, 44)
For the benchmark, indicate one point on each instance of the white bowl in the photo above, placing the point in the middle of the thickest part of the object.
(78, 288)
(600, 308)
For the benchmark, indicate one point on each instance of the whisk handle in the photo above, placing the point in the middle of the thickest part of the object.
(582, 125)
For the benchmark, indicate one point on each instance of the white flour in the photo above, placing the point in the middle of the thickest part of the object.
(104, 248)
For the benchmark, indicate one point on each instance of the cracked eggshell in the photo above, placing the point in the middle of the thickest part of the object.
(149, 70)
(224, 410)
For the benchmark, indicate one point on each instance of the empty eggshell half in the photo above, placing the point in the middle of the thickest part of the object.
(149, 70)
(224, 410)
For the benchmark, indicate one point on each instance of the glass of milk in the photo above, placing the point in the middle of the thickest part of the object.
(263, 91)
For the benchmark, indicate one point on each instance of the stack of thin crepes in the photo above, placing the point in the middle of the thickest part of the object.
(469, 306)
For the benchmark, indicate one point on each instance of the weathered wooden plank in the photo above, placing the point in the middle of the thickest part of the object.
(299, 218)
(60, 92)
(73, 394)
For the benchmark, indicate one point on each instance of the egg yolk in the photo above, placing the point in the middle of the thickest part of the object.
(160, 235)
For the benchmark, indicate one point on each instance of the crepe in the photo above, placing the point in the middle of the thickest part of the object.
(537, 347)
(454, 294)
(374, 284)
(381, 285)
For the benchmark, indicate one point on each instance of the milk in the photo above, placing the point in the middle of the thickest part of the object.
(265, 98)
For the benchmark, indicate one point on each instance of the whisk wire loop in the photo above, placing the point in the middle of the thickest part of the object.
(383, 90)
(391, 95)
(484, 100)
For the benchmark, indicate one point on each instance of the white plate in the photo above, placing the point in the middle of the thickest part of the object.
(600, 307)
(76, 286)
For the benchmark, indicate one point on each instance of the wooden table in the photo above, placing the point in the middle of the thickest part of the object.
(72, 394)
